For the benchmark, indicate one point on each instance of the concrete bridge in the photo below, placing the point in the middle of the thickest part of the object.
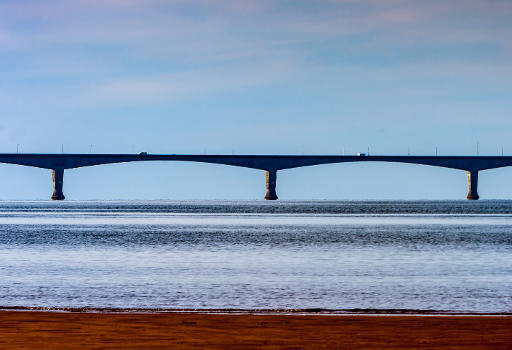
(269, 163)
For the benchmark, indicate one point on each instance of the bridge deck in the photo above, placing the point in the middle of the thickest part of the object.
(262, 162)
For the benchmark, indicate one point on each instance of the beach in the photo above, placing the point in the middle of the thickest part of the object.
(201, 330)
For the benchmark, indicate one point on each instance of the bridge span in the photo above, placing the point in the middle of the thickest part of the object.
(271, 164)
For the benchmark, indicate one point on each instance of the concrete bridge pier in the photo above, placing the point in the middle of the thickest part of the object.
(58, 181)
(473, 185)
(271, 185)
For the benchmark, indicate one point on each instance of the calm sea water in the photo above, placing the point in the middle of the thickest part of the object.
(445, 256)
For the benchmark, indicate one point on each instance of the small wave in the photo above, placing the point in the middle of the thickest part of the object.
(317, 311)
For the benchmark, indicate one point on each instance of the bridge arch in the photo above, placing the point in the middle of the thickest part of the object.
(165, 180)
(366, 180)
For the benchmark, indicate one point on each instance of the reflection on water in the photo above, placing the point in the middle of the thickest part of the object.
(451, 255)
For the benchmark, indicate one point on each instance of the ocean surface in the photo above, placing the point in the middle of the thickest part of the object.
(448, 256)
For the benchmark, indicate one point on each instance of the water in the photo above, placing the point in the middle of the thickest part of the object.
(443, 256)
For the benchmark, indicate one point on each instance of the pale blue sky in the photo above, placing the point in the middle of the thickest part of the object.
(273, 77)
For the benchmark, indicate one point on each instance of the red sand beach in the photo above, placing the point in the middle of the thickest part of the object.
(176, 330)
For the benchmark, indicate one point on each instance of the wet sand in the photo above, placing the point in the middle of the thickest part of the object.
(86, 330)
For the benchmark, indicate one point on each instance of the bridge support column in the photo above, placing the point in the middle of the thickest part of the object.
(473, 185)
(271, 185)
(58, 181)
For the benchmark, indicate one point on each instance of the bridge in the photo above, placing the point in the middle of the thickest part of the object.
(271, 164)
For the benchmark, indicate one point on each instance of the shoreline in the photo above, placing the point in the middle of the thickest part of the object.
(37, 329)
(234, 311)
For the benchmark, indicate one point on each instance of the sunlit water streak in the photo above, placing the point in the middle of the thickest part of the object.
(258, 255)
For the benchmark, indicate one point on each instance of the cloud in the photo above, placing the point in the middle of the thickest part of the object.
(179, 85)
(166, 49)
(261, 21)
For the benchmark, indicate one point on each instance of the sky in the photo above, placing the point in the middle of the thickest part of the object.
(255, 77)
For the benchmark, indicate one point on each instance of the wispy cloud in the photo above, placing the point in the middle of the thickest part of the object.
(134, 47)
(173, 86)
